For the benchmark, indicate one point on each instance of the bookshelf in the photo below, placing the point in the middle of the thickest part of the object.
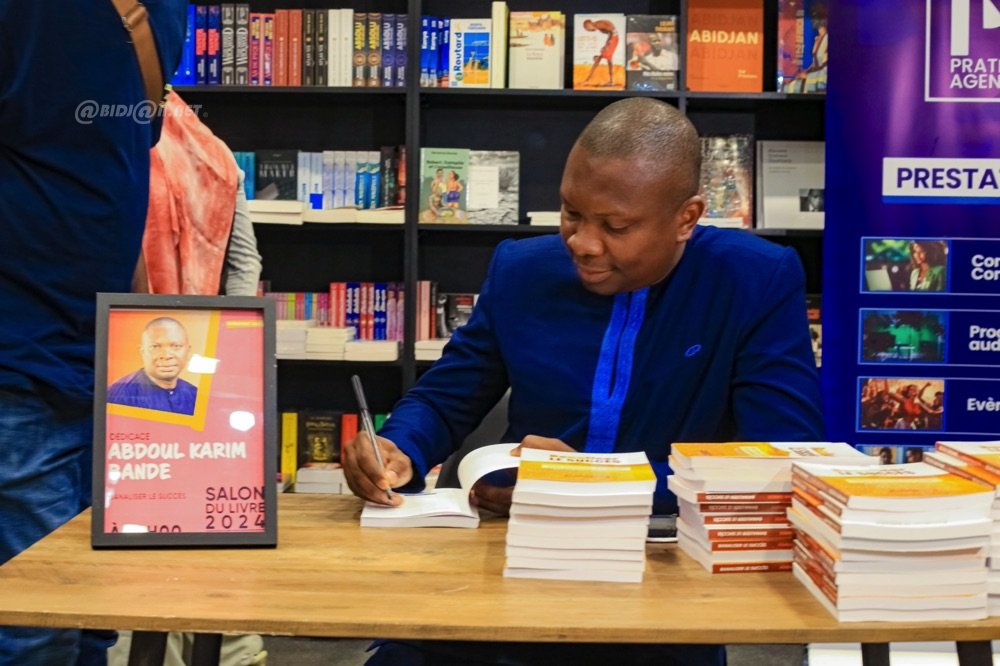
(540, 124)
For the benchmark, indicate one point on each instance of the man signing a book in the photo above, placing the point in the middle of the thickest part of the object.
(633, 329)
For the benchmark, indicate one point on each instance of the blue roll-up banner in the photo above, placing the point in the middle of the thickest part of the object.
(911, 277)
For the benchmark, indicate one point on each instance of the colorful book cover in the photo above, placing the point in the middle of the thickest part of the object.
(887, 486)
(469, 53)
(803, 42)
(725, 46)
(599, 52)
(653, 58)
(536, 50)
(726, 177)
(444, 174)
(493, 188)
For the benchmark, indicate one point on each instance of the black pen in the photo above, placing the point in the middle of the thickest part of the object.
(366, 423)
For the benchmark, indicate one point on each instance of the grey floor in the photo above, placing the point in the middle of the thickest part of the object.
(284, 651)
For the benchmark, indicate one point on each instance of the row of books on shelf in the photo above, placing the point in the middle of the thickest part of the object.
(780, 183)
(459, 185)
(324, 180)
(231, 45)
(309, 322)
(228, 44)
(787, 193)
(615, 51)
(311, 442)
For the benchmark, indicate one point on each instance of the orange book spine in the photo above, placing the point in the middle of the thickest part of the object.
(295, 47)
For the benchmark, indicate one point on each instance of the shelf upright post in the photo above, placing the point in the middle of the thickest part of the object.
(410, 232)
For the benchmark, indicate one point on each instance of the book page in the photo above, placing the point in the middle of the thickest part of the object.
(435, 502)
(480, 462)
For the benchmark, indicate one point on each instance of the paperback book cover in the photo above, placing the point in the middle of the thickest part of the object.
(653, 58)
(494, 181)
(726, 177)
(725, 45)
(536, 50)
(276, 176)
(452, 311)
(444, 173)
(469, 54)
(598, 52)
(791, 184)
(802, 46)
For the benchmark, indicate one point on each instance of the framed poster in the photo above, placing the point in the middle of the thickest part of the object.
(185, 434)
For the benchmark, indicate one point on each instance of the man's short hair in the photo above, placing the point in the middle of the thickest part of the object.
(651, 130)
(163, 321)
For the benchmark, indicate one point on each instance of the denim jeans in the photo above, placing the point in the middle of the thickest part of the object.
(45, 467)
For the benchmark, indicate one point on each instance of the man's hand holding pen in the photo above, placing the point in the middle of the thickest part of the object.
(366, 477)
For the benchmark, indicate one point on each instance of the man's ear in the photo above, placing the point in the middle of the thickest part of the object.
(687, 217)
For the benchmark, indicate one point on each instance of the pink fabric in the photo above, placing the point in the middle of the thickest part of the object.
(192, 198)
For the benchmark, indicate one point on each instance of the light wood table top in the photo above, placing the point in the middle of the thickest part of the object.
(329, 577)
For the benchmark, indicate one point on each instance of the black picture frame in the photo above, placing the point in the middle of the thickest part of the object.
(139, 464)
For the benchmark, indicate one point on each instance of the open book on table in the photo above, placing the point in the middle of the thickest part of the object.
(444, 507)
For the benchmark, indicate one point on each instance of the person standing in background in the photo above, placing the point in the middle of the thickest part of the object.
(198, 240)
(74, 183)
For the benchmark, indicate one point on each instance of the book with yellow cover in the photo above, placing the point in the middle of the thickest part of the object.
(909, 487)
(962, 468)
(560, 478)
(982, 454)
(726, 455)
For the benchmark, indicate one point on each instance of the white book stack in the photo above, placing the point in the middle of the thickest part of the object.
(371, 350)
(319, 477)
(733, 498)
(979, 461)
(429, 350)
(580, 516)
(275, 211)
(327, 343)
(290, 337)
(892, 542)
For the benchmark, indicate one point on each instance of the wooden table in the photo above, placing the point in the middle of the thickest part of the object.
(329, 577)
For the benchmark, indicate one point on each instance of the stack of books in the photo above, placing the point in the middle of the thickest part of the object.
(327, 343)
(321, 477)
(892, 542)
(371, 350)
(290, 337)
(733, 497)
(429, 350)
(978, 461)
(580, 516)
